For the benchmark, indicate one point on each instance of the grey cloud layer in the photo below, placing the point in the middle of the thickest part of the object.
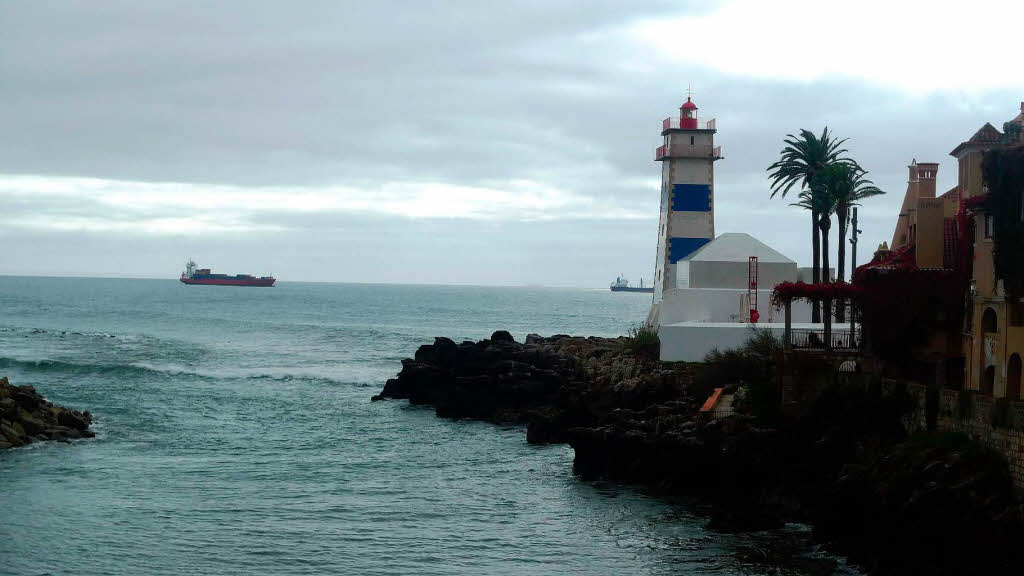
(309, 94)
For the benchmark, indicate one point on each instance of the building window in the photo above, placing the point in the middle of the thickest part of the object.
(989, 322)
(988, 225)
(691, 140)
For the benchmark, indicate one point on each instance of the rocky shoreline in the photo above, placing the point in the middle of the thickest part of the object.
(26, 417)
(893, 504)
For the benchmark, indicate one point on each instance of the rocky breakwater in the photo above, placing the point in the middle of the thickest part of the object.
(25, 417)
(558, 386)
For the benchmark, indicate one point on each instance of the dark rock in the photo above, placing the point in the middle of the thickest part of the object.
(27, 400)
(75, 420)
(25, 416)
(32, 425)
(8, 409)
(13, 432)
(502, 336)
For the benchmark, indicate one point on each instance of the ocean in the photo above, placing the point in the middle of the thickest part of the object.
(235, 435)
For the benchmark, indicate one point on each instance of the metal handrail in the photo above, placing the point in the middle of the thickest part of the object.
(672, 123)
(814, 339)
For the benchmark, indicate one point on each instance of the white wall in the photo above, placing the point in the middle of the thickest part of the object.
(708, 274)
(721, 305)
(691, 341)
(692, 224)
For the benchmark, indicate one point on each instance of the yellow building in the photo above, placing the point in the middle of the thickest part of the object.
(993, 342)
(987, 356)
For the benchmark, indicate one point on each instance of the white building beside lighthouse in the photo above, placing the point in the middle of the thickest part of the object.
(705, 287)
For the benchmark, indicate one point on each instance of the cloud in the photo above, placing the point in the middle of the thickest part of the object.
(166, 208)
(916, 46)
(221, 127)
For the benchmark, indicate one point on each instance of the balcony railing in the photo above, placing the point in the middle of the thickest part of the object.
(687, 151)
(674, 124)
(813, 339)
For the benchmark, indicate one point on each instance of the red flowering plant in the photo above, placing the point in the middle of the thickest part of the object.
(788, 291)
(902, 306)
(975, 202)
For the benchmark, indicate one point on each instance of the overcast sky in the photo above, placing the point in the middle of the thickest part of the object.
(459, 142)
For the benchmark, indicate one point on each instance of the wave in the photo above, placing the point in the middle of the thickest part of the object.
(63, 333)
(279, 374)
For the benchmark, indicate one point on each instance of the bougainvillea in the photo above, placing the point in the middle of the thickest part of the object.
(789, 291)
(975, 202)
(902, 308)
(901, 259)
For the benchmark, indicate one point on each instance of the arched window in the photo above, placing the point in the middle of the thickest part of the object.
(989, 325)
(989, 322)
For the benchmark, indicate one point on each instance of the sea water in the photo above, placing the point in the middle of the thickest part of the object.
(235, 435)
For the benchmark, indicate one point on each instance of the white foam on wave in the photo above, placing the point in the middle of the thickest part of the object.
(277, 373)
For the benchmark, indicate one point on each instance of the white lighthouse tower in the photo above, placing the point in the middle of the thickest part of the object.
(687, 219)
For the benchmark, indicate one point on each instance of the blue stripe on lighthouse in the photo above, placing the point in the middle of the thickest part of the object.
(691, 197)
(679, 248)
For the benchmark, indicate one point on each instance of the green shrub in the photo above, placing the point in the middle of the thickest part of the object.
(750, 365)
(643, 339)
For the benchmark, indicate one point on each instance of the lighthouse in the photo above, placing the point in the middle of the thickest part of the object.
(708, 290)
(687, 218)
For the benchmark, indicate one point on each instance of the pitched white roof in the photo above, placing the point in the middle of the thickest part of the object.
(737, 247)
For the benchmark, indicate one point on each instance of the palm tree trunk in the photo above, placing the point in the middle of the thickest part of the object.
(841, 265)
(815, 264)
(826, 223)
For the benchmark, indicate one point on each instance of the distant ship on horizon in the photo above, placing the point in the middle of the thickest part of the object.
(204, 276)
(621, 284)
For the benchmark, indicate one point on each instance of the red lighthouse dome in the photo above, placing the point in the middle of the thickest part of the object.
(688, 115)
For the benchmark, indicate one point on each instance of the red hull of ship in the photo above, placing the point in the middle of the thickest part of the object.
(263, 282)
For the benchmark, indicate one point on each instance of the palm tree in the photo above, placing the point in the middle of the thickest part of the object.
(799, 162)
(847, 185)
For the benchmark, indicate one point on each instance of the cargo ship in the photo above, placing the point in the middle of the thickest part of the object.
(621, 284)
(193, 275)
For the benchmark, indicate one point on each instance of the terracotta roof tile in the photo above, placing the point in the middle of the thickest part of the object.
(986, 135)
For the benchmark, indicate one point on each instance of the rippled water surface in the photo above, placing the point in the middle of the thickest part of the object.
(236, 436)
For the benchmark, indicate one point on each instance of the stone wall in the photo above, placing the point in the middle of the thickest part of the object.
(996, 423)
